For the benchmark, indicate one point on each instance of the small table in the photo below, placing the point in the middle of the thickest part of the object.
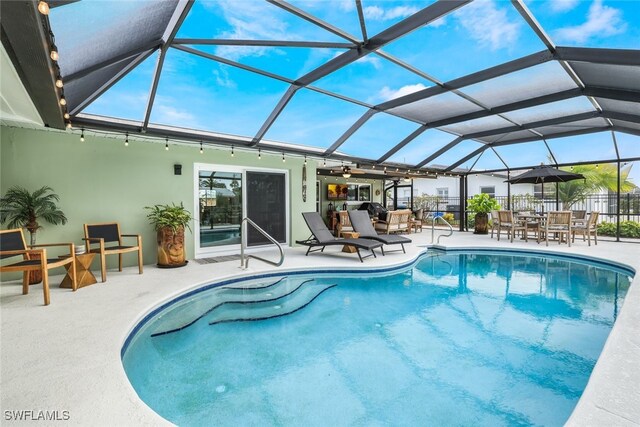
(350, 235)
(84, 276)
(416, 225)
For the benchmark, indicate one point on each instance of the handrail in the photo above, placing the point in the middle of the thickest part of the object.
(244, 260)
(433, 228)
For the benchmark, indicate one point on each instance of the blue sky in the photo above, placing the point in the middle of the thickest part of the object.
(203, 94)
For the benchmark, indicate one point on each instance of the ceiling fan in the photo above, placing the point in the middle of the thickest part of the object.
(347, 171)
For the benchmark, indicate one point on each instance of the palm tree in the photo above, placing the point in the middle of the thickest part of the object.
(597, 177)
(20, 208)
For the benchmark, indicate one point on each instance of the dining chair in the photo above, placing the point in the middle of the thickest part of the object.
(558, 223)
(495, 222)
(588, 229)
(508, 222)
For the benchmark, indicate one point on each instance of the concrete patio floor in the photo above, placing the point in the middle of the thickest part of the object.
(66, 357)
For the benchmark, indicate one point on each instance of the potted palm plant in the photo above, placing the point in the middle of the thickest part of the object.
(481, 205)
(21, 208)
(169, 222)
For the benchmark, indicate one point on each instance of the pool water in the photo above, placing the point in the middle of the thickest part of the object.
(453, 339)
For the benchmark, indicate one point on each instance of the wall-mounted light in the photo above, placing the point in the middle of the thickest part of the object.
(43, 7)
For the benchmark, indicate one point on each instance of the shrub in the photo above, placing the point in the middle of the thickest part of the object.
(449, 217)
(627, 229)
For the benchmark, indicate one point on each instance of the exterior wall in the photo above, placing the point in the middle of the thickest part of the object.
(376, 185)
(101, 180)
(475, 182)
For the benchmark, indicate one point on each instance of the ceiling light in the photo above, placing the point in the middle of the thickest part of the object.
(346, 175)
(407, 179)
(43, 7)
(59, 82)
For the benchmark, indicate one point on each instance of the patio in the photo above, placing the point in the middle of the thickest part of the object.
(67, 356)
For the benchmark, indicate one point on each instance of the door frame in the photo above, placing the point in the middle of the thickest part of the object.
(242, 170)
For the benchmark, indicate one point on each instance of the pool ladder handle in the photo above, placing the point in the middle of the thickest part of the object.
(433, 228)
(244, 259)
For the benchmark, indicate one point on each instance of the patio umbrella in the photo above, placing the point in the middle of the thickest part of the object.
(544, 173)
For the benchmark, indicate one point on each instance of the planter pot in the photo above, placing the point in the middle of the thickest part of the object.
(482, 223)
(35, 277)
(171, 253)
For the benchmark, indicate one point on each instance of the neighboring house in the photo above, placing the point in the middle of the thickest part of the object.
(449, 187)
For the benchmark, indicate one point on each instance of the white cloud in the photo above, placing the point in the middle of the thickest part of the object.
(488, 24)
(222, 78)
(166, 113)
(386, 93)
(377, 13)
(562, 5)
(602, 21)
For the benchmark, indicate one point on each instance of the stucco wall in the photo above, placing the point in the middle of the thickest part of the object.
(101, 180)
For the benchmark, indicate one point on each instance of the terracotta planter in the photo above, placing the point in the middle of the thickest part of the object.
(171, 253)
(482, 223)
(35, 277)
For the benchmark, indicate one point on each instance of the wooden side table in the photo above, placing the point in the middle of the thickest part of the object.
(350, 235)
(416, 225)
(84, 276)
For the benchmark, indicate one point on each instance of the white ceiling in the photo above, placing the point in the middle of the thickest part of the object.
(16, 107)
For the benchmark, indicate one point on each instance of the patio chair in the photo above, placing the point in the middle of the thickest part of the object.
(588, 229)
(362, 224)
(12, 243)
(558, 223)
(396, 221)
(322, 237)
(579, 217)
(495, 222)
(344, 224)
(109, 233)
(507, 222)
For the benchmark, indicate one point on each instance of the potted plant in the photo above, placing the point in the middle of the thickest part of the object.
(169, 222)
(481, 205)
(21, 208)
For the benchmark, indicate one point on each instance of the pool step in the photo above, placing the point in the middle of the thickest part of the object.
(270, 308)
(189, 311)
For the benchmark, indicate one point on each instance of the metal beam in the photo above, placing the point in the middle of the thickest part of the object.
(532, 125)
(232, 63)
(588, 162)
(175, 22)
(599, 56)
(316, 21)
(439, 152)
(363, 26)
(552, 136)
(265, 43)
(614, 115)
(420, 18)
(357, 125)
(109, 83)
(413, 135)
(533, 23)
(465, 158)
(27, 45)
(274, 114)
(480, 76)
(154, 86)
(617, 94)
(135, 52)
(625, 129)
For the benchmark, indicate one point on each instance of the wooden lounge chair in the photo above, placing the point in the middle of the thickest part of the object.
(107, 233)
(12, 243)
(322, 237)
(362, 224)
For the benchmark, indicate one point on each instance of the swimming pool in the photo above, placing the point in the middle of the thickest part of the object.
(454, 338)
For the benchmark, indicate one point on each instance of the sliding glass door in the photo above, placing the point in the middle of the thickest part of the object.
(226, 194)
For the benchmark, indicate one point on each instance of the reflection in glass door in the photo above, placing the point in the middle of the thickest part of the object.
(220, 197)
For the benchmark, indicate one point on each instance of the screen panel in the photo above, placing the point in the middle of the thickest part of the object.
(266, 206)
